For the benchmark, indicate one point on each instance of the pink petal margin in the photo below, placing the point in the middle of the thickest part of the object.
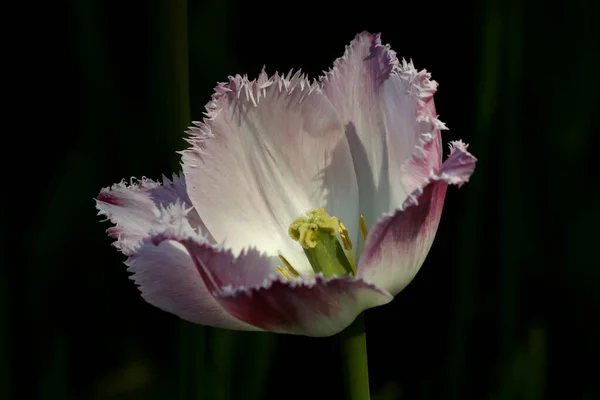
(397, 245)
(168, 278)
(133, 208)
(317, 307)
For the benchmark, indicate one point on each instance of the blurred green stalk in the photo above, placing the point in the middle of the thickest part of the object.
(173, 104)
(513, 233)
(5, 373)
(490, 33)
(354, 360)
(173, 63)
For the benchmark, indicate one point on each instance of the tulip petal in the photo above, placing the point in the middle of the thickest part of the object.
(133, 208)
(317, 307)
(250, 290)
(388, 111)
(168, 278)
(397, 245)
(269, 150)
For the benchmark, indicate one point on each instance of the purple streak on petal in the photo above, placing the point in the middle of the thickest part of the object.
(169, 280)
(167, 275)
(318, 307)
(398, 244)
(248, 287)
(218, 266)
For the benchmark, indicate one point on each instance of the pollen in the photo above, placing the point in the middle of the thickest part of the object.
(304, 229)
(317, 232)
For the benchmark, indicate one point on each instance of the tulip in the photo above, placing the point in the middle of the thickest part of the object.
(301, 203)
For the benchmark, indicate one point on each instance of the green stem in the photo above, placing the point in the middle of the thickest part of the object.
(354, 359)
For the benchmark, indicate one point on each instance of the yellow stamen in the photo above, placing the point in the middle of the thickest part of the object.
(363, 228)
(345, 237)
(289, 267)
(284, 272)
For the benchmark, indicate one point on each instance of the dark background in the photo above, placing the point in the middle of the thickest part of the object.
(506, 305)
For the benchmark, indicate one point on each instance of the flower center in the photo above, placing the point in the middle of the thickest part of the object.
(317, 233)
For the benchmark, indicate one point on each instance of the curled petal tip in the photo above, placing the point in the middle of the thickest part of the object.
(398, 243)
(459, 166)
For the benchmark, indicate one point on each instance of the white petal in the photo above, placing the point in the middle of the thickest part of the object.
(387, 110)
(270, 150)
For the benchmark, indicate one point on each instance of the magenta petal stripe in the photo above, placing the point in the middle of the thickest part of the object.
(398, 244)
(250, 290)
